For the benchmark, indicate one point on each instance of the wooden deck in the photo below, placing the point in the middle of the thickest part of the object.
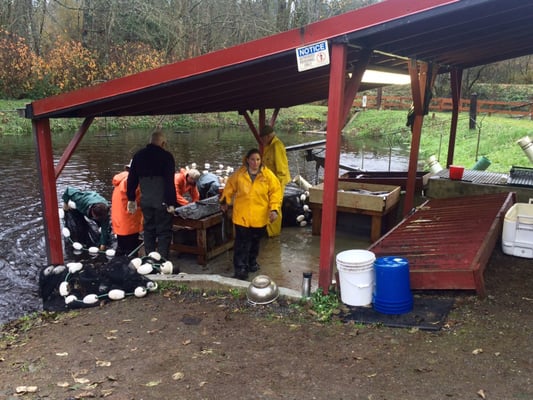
(448, 241)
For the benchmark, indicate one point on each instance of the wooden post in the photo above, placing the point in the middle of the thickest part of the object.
(456, 77)
(473, 111)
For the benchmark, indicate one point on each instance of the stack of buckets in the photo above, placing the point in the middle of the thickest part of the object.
(383, 282)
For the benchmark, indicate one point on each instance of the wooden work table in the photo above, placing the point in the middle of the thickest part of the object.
(211, 236)
(376, 224)
(377, 201)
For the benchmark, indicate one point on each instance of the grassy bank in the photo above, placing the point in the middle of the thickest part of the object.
(293, 119)
(494, 137)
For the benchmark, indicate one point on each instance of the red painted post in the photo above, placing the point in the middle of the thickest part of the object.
(456, 76)
(418, 88)
(331, 167)
(45, 166)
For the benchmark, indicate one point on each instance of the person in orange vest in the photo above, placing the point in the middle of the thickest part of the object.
(126, 226)
(186, 190)
(275, 159)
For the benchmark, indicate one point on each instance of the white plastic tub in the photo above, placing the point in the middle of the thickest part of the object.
(517, 234)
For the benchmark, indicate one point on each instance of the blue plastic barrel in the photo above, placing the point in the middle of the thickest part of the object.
(392, 290)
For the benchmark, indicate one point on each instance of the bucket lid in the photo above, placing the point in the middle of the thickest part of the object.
(391, 262)
(356, 257)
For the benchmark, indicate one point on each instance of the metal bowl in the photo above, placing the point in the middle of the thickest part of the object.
(262, 290)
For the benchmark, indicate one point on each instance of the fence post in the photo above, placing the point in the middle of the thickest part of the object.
(473, 111)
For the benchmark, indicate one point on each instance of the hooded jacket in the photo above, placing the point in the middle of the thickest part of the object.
(252, 201)
(122, 221)
(84, 201)
(275, 158)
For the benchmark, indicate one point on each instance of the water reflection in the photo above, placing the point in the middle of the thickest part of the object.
(98, 158)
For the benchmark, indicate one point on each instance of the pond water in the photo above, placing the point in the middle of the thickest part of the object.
(97, 159)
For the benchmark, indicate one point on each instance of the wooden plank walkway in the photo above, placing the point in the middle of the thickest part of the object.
(448, 241)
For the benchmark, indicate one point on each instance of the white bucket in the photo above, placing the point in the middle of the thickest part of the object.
(434, 165)
(527, 147)
(356, 276)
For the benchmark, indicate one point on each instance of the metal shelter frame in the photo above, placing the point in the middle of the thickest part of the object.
(422, 38)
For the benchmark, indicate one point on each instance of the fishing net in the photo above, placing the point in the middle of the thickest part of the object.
(199, 209)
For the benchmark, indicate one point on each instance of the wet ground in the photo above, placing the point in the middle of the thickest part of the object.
(284, 258)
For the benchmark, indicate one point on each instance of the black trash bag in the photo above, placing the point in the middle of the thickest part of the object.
(49, 281)
(81, 230)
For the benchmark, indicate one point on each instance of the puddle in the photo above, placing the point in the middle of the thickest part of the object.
(284, 258)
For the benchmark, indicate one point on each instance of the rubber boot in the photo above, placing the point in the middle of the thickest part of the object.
(240, 273)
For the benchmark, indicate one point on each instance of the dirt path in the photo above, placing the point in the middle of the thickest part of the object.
(173, 345)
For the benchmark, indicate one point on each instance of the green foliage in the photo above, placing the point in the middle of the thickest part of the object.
(494, 137)
(236, 293)
(13, 331)
(131, 58)
(16, 59)
(500, 92)
(68, 66)
(324, 305)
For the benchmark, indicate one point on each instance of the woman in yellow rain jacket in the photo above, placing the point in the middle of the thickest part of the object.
(126, 226)
(255, 193)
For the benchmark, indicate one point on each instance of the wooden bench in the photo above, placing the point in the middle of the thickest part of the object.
(217, 227)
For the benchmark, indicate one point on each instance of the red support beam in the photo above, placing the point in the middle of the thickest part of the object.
(274, 117)
(355, 81)
(418, 89)
(456, 77)
(47, 177)
(421, 80)
(250, 123)
(73, 145)
(331, 167)
(261, 123)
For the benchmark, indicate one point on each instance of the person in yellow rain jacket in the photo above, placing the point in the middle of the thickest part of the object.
(275, 158)
(126, 226)
(255, 193)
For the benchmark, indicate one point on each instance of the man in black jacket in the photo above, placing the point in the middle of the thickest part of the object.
(153, 168)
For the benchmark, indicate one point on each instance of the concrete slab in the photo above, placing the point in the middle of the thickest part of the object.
(284, 259)
(208, 281)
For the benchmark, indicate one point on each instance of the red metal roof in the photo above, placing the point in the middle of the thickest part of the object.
(263, 74)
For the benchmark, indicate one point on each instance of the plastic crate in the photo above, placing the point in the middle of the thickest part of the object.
(517, 233)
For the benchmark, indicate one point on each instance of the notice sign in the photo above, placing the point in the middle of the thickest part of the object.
(312, 56)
